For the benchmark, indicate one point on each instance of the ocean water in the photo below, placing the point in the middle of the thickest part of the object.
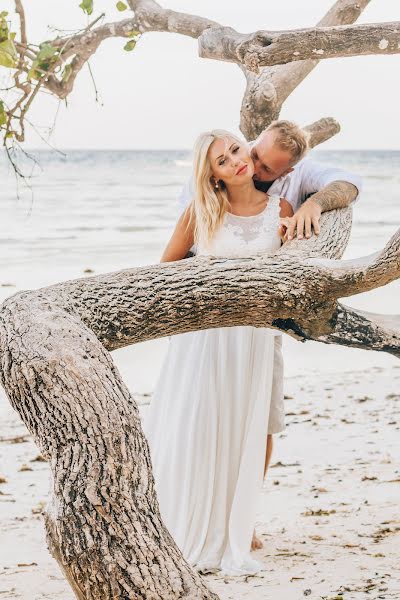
(109, 210)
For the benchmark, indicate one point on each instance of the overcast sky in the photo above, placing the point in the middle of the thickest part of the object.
(162, 95)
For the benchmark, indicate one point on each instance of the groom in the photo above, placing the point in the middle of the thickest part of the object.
(310, 187)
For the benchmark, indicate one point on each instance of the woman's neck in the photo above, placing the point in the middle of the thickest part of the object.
(243, 195)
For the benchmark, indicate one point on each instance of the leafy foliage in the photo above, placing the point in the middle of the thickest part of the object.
(3, 114)
(45, 58)
(8, 52)
(87, 6)
(134, 35)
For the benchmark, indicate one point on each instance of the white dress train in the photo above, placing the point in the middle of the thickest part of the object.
(208, 421)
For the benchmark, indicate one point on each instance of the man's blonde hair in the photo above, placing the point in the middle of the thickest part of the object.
(290, 137)
(210, 201)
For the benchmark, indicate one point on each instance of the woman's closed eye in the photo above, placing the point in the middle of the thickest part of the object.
(222, 161)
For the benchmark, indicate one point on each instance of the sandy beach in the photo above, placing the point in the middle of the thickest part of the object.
(328, 515)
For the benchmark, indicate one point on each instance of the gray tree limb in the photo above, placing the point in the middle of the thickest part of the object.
(265, 93)
(266, 48)
(321, 130)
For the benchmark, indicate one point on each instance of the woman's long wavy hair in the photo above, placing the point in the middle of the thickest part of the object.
(210, 203)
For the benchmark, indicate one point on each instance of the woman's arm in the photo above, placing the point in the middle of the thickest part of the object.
(286, 208)
(285, 214)
(181, 240)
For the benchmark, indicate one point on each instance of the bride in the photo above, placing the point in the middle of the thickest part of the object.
(211, 411)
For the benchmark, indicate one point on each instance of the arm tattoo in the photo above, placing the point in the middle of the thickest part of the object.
(337, 194)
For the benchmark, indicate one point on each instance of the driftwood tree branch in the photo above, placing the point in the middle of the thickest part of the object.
(104, 526)
(265, 93)
(321, 130)
(380, 332)
(266, 48)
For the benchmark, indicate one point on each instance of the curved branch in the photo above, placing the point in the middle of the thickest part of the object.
(321, 130)
(21, 13)
(266, 92)
(367, 273)
(287, 78)
(153, 17)
(266, 48)
(357, 328)
(288, 290)
(103, 522)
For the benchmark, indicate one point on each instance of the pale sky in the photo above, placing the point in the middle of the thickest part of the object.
(162, 95)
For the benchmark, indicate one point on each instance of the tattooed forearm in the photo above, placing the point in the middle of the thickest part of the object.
(337, 194)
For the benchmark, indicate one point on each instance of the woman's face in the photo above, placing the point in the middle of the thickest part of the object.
(230, 161)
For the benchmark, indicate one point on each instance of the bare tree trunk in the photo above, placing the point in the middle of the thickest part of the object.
(103, 523)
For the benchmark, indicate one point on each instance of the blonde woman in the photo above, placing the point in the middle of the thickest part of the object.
(211, 411)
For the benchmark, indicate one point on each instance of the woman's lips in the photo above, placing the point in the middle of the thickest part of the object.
(242, 170)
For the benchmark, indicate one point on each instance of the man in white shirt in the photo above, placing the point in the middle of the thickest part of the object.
(310, 187)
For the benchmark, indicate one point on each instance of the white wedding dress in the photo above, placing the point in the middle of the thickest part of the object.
(208, 421)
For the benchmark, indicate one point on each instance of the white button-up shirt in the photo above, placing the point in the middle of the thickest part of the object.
(307, 178)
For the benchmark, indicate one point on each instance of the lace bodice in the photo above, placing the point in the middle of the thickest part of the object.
(241, 236)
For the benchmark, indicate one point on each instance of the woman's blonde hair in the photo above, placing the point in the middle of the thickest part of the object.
(210, 202)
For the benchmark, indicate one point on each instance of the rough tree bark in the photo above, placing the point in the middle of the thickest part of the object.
(266, 93)
(266, 48)
(103, 522)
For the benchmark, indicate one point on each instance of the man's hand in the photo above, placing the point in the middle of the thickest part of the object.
(337, 194)
(304, 220)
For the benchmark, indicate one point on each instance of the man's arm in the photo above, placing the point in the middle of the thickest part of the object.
(337, 194)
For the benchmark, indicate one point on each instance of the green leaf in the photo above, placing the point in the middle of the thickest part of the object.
(87, 6)
(129, 46)
(3, 114)
(66, 73)
(10, 134)
(8, 54)
(46, 56)
(47, 51)
(4, 32)
(121, 6)
(132, 34)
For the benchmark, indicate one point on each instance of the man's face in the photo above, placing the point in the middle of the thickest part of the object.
(270, 162)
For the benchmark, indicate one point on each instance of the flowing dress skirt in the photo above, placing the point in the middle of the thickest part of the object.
(207, 429)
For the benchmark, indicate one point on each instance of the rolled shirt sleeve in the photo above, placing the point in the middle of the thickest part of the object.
(310, 177)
